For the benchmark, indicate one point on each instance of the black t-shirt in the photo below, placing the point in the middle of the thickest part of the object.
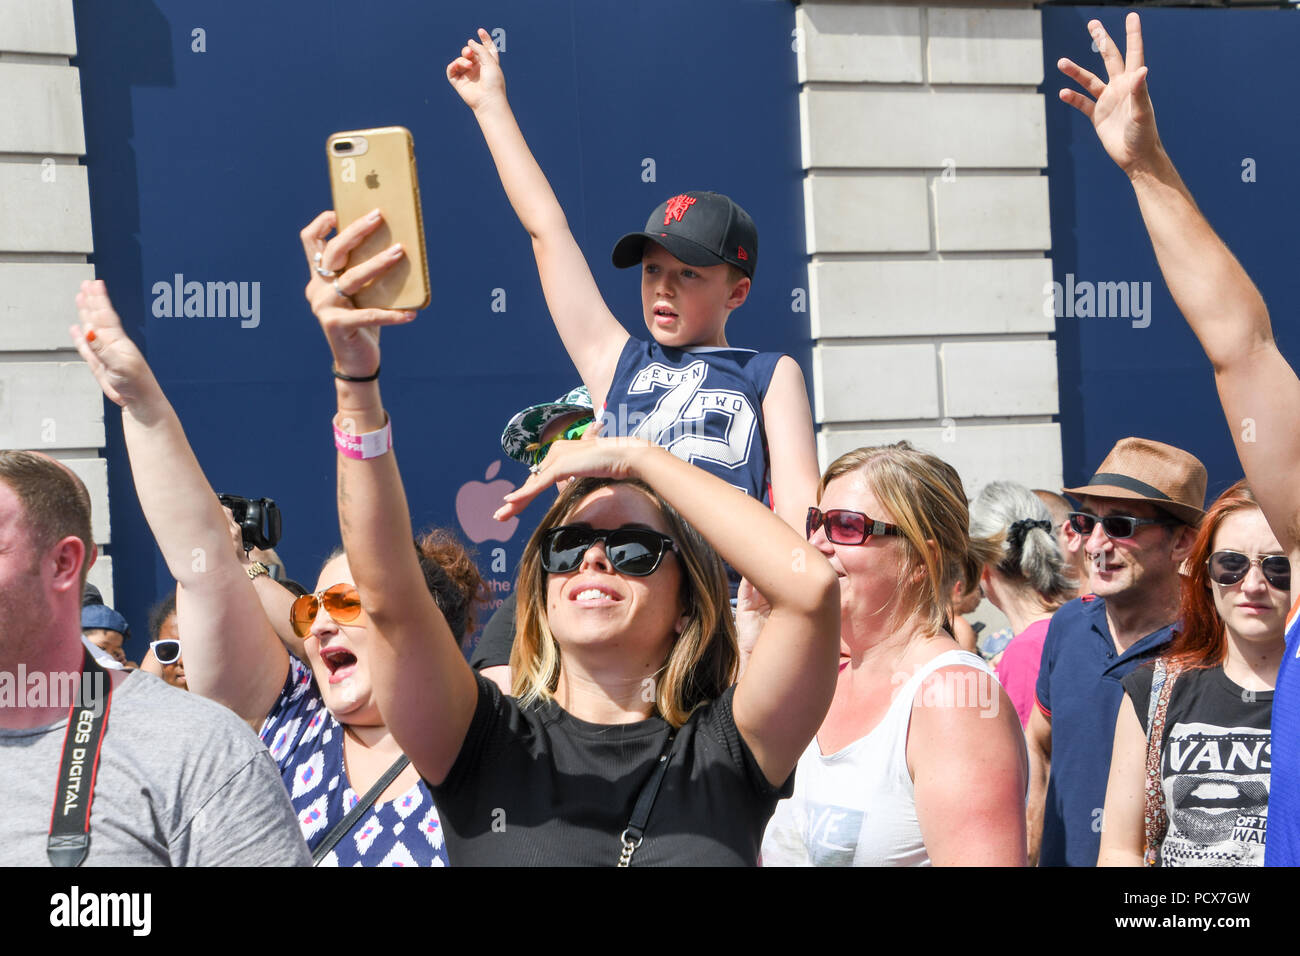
(540, 787)
(498, 638)
(1215, 763)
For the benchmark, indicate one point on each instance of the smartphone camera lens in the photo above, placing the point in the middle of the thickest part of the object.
(343, 146)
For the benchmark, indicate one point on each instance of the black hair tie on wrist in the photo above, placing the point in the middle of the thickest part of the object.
(356, 378)
(1016, 534)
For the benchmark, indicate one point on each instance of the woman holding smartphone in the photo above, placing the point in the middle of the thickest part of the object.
(1213, 706)
(320, 721)
(627, 742)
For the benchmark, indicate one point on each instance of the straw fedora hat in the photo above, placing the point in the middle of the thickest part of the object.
(1139, 469)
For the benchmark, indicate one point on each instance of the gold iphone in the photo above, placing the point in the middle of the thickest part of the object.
(375, 168)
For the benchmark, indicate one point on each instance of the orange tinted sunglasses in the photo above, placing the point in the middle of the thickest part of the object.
(342, 603)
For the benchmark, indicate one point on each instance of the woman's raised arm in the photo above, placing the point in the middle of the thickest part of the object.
(425, 690)
(231, 652)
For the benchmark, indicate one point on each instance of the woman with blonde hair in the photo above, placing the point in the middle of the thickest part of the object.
(921, 759)
(1027, 580)
(1190, 772)
(628, 742)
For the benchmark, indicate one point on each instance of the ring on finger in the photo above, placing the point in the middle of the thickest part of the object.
(321, 270)
(341, 293)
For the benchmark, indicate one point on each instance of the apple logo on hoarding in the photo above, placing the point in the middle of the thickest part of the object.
(477, 501)
(372, 180)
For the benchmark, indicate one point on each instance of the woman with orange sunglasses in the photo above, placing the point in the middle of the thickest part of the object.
(359, 801)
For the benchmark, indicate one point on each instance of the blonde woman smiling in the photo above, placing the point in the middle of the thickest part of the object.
(628, 742)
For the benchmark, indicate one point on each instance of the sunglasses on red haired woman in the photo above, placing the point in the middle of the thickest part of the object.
(1228, 567)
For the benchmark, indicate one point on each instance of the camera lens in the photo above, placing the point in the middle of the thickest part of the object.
(342, 145)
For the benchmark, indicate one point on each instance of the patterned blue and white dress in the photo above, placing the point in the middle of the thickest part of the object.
(306, 743)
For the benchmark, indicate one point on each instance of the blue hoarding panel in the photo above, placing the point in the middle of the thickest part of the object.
(205, 144)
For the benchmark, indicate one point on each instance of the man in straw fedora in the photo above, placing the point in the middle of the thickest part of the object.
(1137, 516)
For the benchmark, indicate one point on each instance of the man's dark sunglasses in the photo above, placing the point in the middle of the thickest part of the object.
(847, 527)
(1228, 567)
(1115, 526)
(634, 551)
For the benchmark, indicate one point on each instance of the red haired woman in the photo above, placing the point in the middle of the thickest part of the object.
(1205, 736)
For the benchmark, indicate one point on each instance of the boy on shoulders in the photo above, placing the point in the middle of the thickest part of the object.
(739, 414)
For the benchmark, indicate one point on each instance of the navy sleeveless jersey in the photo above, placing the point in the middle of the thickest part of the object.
(703, 404)
(1283, 845)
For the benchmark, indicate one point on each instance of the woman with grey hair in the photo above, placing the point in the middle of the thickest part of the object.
(1028, 584)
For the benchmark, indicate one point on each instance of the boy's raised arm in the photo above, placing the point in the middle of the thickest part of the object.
(1259, 390)
(591, 335)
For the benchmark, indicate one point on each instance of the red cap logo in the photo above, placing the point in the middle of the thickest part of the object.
(677, 207)
(741, 254)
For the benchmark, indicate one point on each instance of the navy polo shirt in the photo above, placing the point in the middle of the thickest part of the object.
(1079, 689)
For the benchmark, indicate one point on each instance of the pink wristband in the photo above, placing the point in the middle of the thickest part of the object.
(370, 445)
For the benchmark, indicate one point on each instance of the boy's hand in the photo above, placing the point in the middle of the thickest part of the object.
(353, 333)
(114, 360)
(476, 74)
(1122, 114)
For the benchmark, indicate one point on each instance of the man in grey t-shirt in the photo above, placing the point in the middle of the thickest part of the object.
(181, 781)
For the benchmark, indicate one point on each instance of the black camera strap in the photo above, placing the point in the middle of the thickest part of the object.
(69, 839)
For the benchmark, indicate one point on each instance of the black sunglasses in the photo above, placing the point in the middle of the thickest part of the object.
(634, 551)
(847, 527)
(166, 652)
(1228, 567)
(1115, 526)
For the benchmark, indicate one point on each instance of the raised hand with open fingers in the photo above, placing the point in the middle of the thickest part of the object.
(1120, 108)
(114, 360)
(476, 74)
(353, 333)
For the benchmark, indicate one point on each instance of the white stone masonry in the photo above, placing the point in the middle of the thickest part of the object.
(924, 143)
(48, 400)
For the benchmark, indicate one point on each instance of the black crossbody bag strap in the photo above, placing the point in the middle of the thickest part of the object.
(645, 801)
(362, 805)
(69, 839)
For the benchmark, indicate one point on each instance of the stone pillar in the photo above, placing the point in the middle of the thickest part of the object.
(48, 400)
(924, 145)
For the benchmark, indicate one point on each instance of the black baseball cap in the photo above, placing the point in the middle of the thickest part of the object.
(700, 229)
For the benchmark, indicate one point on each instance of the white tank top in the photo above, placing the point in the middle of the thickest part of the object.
(857, 807)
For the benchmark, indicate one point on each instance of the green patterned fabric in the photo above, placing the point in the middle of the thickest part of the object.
(526, 427)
